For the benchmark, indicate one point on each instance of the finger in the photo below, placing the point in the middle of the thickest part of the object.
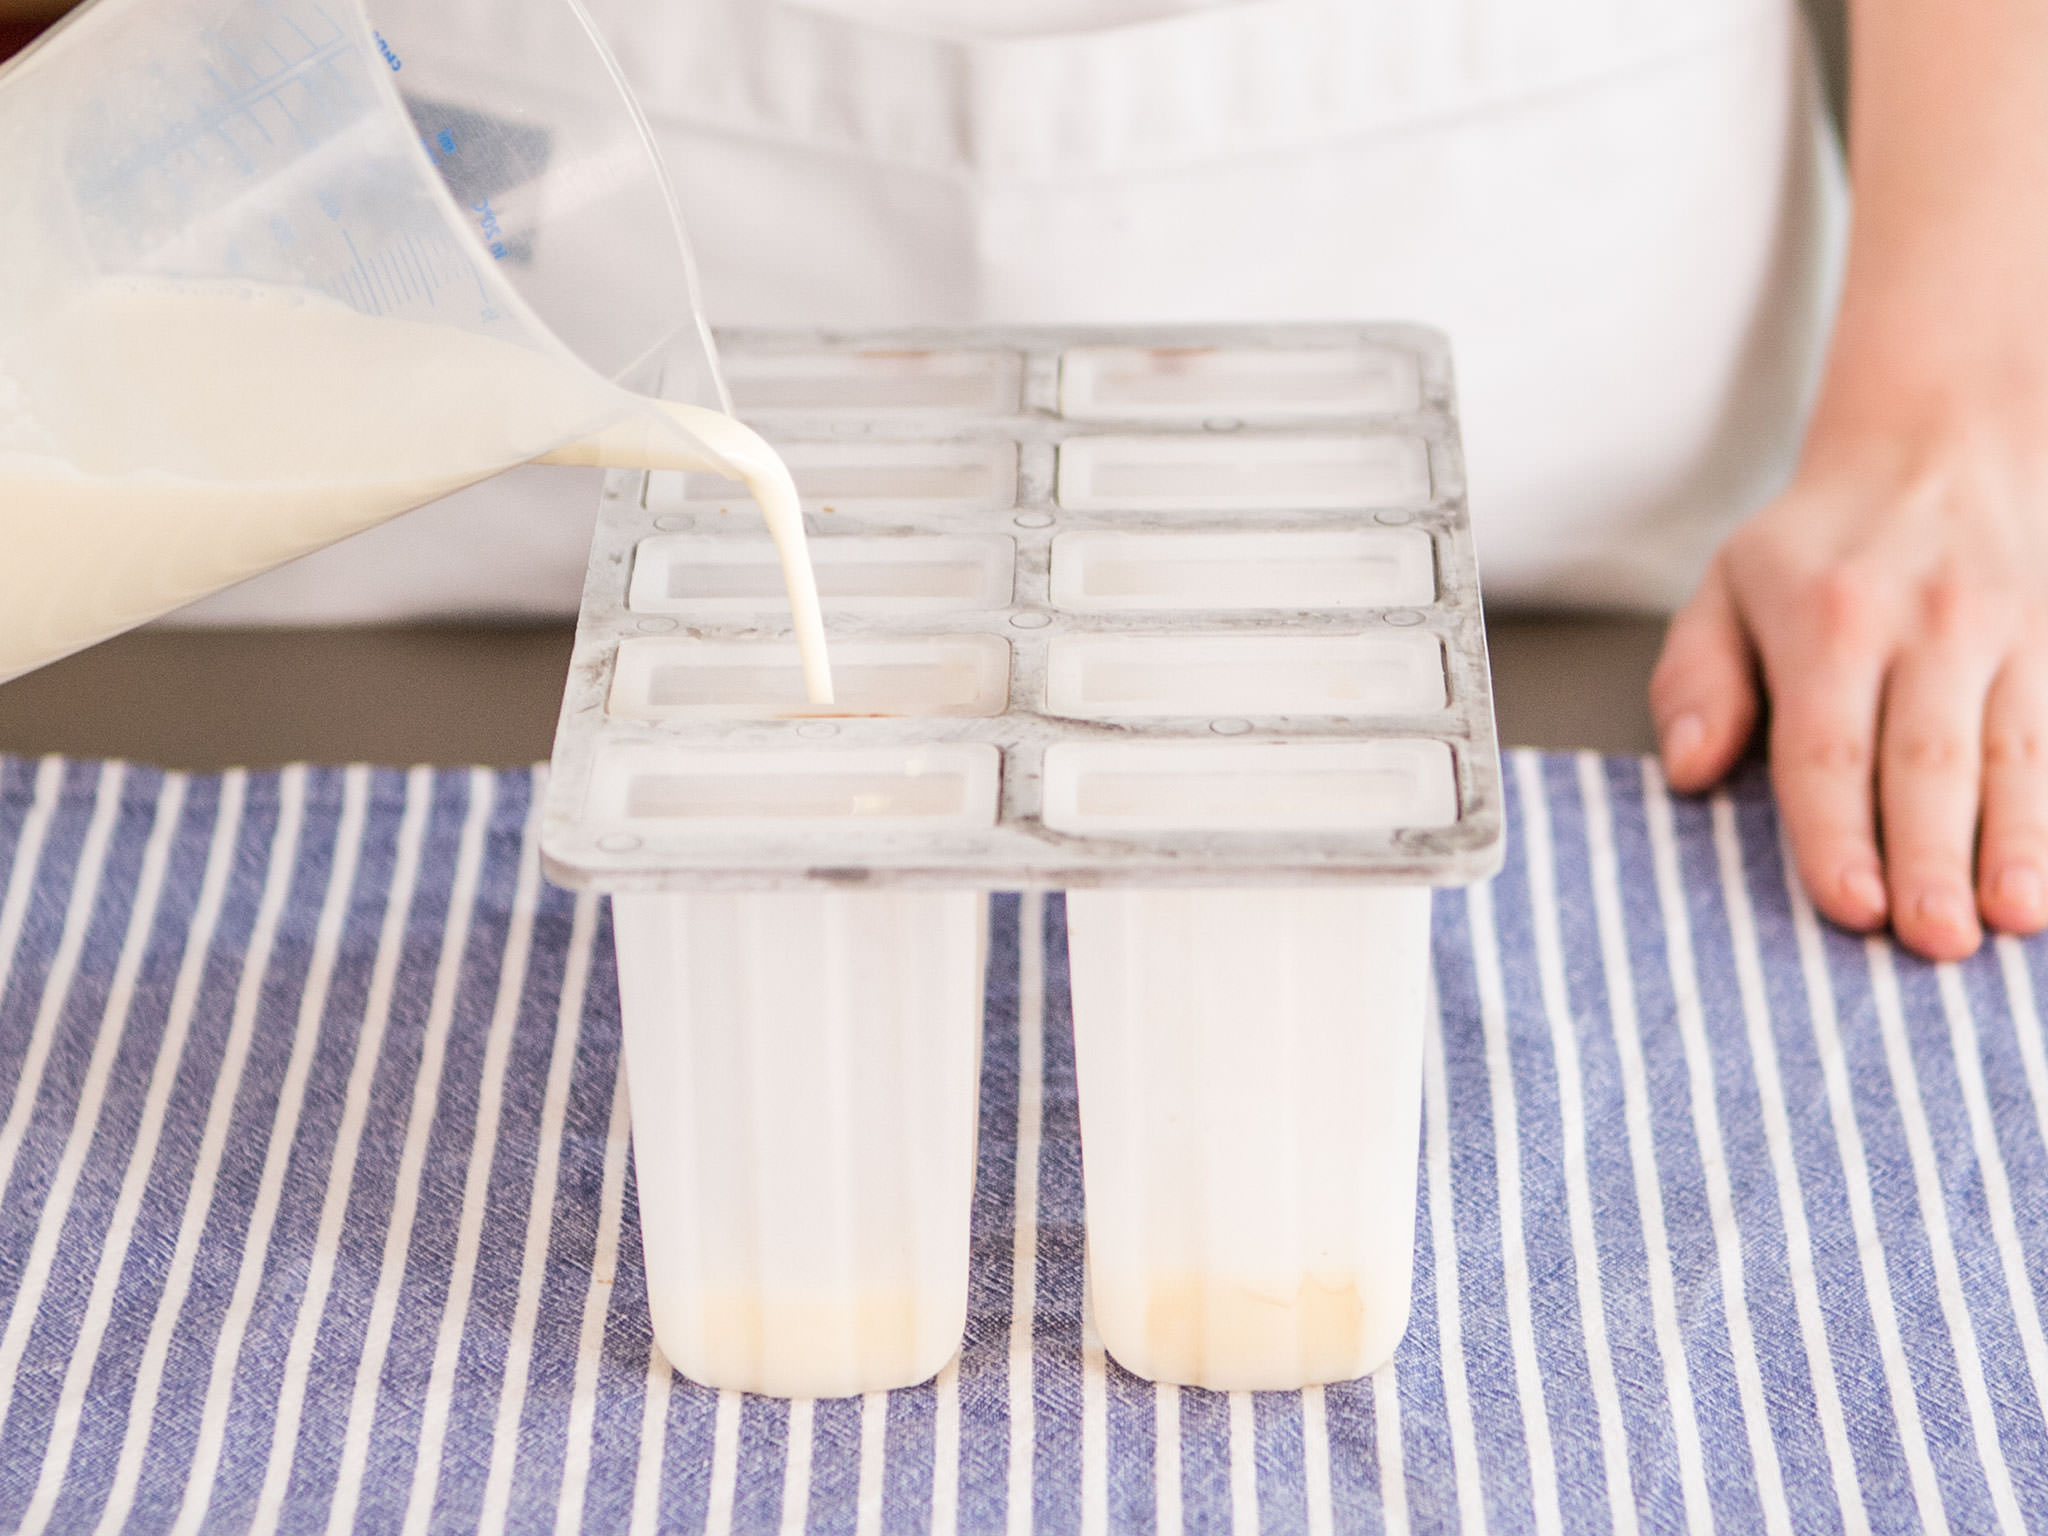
(1823, 753)
(1929, 775)
(1703, 695)
(2012, 857)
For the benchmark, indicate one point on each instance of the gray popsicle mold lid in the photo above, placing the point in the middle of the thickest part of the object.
(1130, 606)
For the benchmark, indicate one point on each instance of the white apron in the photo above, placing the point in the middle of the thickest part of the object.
(1627, 214)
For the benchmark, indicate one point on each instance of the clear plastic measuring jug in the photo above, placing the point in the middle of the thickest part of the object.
(274, 270)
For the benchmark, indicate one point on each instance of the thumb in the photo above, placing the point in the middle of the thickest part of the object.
(1703, 695)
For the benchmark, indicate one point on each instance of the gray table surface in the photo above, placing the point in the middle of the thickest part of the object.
(207, 699)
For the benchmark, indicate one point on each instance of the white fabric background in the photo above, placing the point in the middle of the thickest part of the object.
(1628, 215)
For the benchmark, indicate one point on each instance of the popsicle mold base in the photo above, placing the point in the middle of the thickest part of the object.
(801, 1068)
(1249, 1066)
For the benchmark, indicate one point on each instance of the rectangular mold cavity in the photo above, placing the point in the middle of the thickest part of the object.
(702, 576)
(1239, 472)
(1105, 677)
(870, 383)
(730, 794)
(1198, 787)
(683, 678)
(1102, 572)
(1249, 383)
(947, 476)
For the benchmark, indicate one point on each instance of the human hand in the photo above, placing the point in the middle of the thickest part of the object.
(1893, 603)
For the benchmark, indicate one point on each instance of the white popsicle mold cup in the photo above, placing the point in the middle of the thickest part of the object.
(1184, 623)
(1249, 1066)
(802, 1068)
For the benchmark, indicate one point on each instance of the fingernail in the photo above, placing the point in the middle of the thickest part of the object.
(1864, 889)
(1945, 909)
(1682, 738)
(2020, 887)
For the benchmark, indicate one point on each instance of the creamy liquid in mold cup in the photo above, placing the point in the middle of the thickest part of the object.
(239, 386)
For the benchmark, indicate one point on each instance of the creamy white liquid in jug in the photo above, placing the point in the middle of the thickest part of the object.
(161, 441)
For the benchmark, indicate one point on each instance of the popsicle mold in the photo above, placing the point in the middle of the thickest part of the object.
(801, 1069)
(1226, 475)
(1249, 1066)
(709, 578)
(1157, 383)
(1183, 622)
(1102, 572)
(876, 383)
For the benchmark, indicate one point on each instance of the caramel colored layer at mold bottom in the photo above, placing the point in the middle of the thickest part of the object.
(1230, 1335)
(807, 1344)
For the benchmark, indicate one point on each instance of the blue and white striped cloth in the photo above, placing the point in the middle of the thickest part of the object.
(318, 1213)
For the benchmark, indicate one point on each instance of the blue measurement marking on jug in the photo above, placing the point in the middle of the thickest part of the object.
(275, 157)
(487, 221)
(408, 274)
(214, 117)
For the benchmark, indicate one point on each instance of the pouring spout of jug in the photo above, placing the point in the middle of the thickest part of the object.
(667, 434)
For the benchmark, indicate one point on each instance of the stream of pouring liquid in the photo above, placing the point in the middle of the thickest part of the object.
(740, 452)
(160, 441)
